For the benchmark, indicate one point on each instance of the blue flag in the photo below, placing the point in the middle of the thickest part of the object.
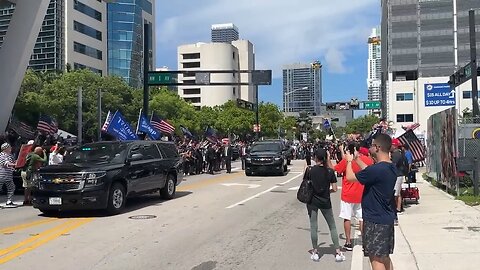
(120, 128)
(145, 127)
(326, 124)
(186, 132)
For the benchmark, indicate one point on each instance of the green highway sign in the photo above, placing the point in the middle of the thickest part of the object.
(369, 105)
(161, 78)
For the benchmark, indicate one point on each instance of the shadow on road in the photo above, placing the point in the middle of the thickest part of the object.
(133, 204)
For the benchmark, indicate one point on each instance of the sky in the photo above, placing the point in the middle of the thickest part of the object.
(283, 32)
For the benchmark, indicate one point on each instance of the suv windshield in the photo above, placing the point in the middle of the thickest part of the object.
(108, 152)
(266, 147)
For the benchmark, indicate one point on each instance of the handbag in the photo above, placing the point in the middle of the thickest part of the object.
(305, 191)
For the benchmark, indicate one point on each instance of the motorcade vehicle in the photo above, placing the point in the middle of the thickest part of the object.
(266, 157)
(103, 175)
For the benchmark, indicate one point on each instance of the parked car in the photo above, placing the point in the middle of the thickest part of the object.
(235, 153)
(266, 157)
(103, 175)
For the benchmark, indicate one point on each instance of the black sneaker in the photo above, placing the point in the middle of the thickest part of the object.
(348, 247)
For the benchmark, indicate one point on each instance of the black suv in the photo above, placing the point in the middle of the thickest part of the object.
(265, 157)
(102, 175)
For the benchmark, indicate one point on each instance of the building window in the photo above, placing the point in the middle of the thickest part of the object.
(401, 118)
(79, 6)
(193, 100)
(404, 96)
(191, 65)
(80, 66)
(467, 94)
(87, 30)
(194, 91)
(87, 50)
(189, 56)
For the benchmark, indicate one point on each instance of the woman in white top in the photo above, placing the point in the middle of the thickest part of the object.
(56, 157)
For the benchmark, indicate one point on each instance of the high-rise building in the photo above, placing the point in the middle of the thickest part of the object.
(302, 88)
(418, 55)
(72, 34)
(239, 55)
(226, 32)
(126, 21)
(374, 67)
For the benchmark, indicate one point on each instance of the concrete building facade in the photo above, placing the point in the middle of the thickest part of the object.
(216, 56)
(73, 35)
(419, 52)
(302, 87)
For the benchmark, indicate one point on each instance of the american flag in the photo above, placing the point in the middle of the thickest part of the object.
(47, 125)
(409, 138)
(162, 125)
(22, 129)
(107, 121)
(412, 126)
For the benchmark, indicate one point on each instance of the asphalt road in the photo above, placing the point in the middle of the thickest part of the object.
(226, 221)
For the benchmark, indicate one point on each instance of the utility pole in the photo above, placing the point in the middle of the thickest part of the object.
(99, 112)
(257, 134)
(80, 118)
(146, 66)
(473, 57)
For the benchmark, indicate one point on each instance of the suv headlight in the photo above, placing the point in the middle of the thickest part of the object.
(277, 158)
(94, 178)
(248, 159)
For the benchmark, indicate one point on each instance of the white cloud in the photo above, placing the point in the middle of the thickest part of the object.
(282, 31)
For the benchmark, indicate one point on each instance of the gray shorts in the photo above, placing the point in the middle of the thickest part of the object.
(378, 239)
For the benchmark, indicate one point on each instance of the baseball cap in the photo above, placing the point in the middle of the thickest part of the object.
(396, 142)
(364, 151)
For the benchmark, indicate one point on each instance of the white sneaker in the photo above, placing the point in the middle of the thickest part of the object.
(340, 257)
(315, 257)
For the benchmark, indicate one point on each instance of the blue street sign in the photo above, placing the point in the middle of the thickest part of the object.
(439, 94)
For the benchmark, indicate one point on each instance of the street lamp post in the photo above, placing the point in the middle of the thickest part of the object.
(287, 100)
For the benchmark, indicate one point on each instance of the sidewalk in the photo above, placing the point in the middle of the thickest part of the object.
(438, 233)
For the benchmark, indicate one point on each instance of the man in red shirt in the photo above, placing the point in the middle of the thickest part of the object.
(352, 192)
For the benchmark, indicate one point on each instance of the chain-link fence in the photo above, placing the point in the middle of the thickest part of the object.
(468, 151)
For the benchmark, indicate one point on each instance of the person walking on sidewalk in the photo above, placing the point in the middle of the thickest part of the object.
(401, 163)
(323, 181)
(378, 215)
(7, 166)
(351, 198)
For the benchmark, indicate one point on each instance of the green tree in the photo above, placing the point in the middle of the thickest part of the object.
(362, 124)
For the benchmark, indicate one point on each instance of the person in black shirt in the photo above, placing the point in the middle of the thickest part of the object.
(308, 155)
(324, 182)
(378, 214)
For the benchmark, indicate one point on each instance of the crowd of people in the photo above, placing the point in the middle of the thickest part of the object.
(372, 175)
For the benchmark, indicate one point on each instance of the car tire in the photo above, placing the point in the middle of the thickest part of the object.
(248, 173)
(116, 199)
(168, 191)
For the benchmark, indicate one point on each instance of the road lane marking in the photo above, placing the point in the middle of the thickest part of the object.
(209, 181)
(41, 239)
(15, 228)
(294, 188)
(261, 193)
(237, 184)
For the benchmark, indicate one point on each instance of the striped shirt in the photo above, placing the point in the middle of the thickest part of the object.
(6, 173)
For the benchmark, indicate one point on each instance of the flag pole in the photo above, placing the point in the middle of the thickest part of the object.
(138, 121)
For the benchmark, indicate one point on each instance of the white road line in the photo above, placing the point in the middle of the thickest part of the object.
(294, 188)
(261, 193)
(357, 254)
(289, 180)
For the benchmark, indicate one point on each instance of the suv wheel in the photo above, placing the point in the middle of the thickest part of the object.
(168, 191)
(248, 173)
(116, 199)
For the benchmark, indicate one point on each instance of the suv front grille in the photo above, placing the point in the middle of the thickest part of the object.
(262, 160)
(60, 182)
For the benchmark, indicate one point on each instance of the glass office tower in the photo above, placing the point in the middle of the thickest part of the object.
(126, 19)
